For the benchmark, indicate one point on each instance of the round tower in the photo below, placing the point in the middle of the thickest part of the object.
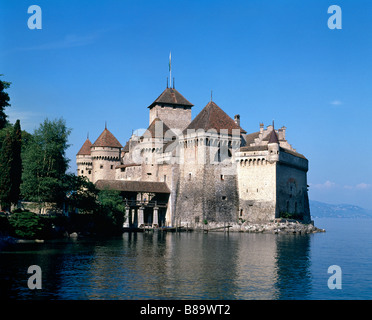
(84, 160)
(105, 153)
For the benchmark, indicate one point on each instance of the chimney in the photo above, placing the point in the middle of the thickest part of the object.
(283, 132)
(237, 119)
(261, 127)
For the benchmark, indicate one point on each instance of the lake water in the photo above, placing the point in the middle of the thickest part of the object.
(197, 266)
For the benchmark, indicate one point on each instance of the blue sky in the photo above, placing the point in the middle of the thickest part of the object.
(97, 61)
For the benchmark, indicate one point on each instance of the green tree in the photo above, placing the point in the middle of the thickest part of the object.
(6, 160)
(45, 163)
(4, 102)
(16, 166)
(81, 194)
(10, 164)
(26, 224)
(112, 207)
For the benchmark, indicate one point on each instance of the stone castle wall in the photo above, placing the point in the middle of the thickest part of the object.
(257, 189)
(84, 166)
(174, 117)
(105, 160)
(291, 182)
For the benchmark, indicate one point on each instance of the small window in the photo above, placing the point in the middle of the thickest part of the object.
(222, 177)
(112, 167)
(149, 173)
(89, 172)
(241, 212)
(196, 219)
(189, 176)
(82, 171)
(101, 166)
(165, 178)
(223, 197)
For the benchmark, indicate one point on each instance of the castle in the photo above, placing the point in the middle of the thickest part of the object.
(189, 172)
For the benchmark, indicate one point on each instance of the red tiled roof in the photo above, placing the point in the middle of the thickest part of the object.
(107, 139)
(213, 117)
(85, 149)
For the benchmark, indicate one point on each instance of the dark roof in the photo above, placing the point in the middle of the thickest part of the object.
(294, 153)
(173, 97)
(213, 117)
(85, 149)
(126, 147)
(254, 148)
(133, 186)
(150, 132)
(273, 137)
(107, 139)
(249, 138)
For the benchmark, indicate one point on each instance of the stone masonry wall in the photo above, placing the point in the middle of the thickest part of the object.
(177, 117)
(257, 190)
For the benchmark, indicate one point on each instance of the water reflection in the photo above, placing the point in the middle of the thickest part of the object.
(293, 267)
(164, 266)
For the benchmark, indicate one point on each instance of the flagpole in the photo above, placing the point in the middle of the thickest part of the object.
(170, 69)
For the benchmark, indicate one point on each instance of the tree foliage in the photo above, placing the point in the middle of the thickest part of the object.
(26, 224)
(16, 166)
(6, 160)
(4, 102)
(45, 163)
(10, 165)
(112, 207)
(80, 194)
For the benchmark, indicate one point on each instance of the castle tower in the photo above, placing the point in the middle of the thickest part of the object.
(172, 108)
(84, 160)
(273, 146)
(207, 170)
(105, 153)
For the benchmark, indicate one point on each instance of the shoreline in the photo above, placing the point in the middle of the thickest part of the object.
(271, 227)
(275, 227)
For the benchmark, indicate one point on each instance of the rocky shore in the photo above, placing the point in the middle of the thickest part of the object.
(276, 227)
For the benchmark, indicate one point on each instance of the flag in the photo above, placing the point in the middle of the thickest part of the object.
(170, 59)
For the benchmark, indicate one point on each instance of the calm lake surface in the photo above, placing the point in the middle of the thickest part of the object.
(197, 266)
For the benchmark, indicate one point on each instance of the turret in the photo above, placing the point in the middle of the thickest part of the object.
(84, 160)
(105, 153)
(273, 146)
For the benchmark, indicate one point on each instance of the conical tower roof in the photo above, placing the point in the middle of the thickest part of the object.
(173, 97)
(151, 130)
(273, 137)
(213, 117)
(107, 139)
(85, 149)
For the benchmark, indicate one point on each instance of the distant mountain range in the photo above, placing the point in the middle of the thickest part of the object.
(326, 210)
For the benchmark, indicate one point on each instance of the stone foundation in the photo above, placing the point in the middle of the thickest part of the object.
(276, 227)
